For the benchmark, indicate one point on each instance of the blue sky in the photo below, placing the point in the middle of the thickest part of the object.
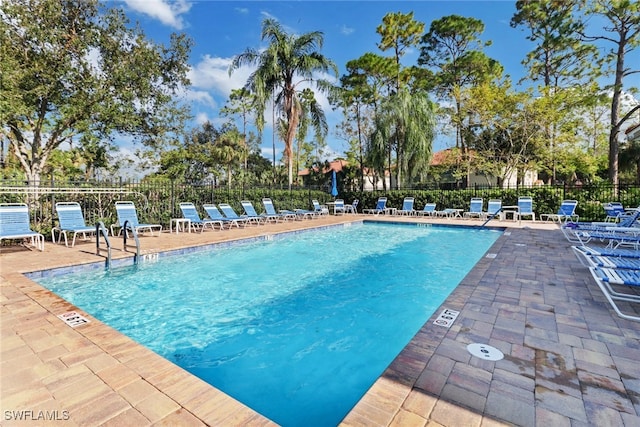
(223, 29)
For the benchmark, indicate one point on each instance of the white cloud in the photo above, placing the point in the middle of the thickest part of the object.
(166, 12)
(346, 30)
(200, 97)
(212, 74)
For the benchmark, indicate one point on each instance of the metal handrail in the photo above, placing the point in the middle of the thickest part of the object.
(135, 236)
(493, 215)
(101, 229)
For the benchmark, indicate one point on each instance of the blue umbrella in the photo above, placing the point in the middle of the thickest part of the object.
(334, 184)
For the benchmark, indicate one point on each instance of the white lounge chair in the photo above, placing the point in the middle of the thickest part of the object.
(14, 225)
(566, 212)
(475, 208)
(70, 220)
(525, 209)
(229, 213)
(428, 210)
(606, 277)
(190, 212)
(407, 207)
(381, 206)
(127, 213)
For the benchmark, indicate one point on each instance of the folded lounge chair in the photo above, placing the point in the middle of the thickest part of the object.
(190, 212)
(566, 212)
(70, 220)
(14, 225)
(127, 213)
(381, 206)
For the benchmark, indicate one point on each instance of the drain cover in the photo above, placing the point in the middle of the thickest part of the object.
(485, 352)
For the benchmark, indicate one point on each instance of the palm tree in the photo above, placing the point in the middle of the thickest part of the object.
(229, 150)
(282, 68)
(408, 120)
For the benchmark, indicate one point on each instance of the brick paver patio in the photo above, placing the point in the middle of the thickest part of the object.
(569, 360)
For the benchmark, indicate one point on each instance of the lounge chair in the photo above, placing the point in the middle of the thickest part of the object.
(14, 225)
(603, 261)
(566, 212)
(338, 207)
(190, 212)
(494, 209)
(628, 220)
(606, 277)
(271, 210)
(352, 208)
(613, 211)
(250, 212)
(475, 208)
(381, 206)
(229, 213)
(214, 213)
(603, 251)
(319, 209)
(428, 210)
(71, 220)
(407, 207)
(126, 212)
(611, 236)
(525, 209)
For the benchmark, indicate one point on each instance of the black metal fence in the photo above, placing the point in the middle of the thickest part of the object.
(157, 201)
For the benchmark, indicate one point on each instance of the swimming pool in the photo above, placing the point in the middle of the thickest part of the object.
(297, 328)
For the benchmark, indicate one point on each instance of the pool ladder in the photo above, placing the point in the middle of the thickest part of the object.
(102, 230)
(136, 257)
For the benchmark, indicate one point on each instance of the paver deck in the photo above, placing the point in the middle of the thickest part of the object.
(569, 360)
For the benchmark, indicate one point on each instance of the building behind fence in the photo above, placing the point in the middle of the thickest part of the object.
(157, 201)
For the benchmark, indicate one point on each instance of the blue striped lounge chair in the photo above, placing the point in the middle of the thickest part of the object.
(229, 213)
(270, 209)
(250, 212)
(566, 212)
(213, 213)
(407, 207)
(475, 208)
(606, 278)
(127, 214)
(14, 225)
(380, 208)
(190, 212)
(70, 220)
(428, 210)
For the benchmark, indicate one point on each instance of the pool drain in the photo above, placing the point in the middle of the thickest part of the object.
(485, 352)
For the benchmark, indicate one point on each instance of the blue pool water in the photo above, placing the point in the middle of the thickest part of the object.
(297, 328)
